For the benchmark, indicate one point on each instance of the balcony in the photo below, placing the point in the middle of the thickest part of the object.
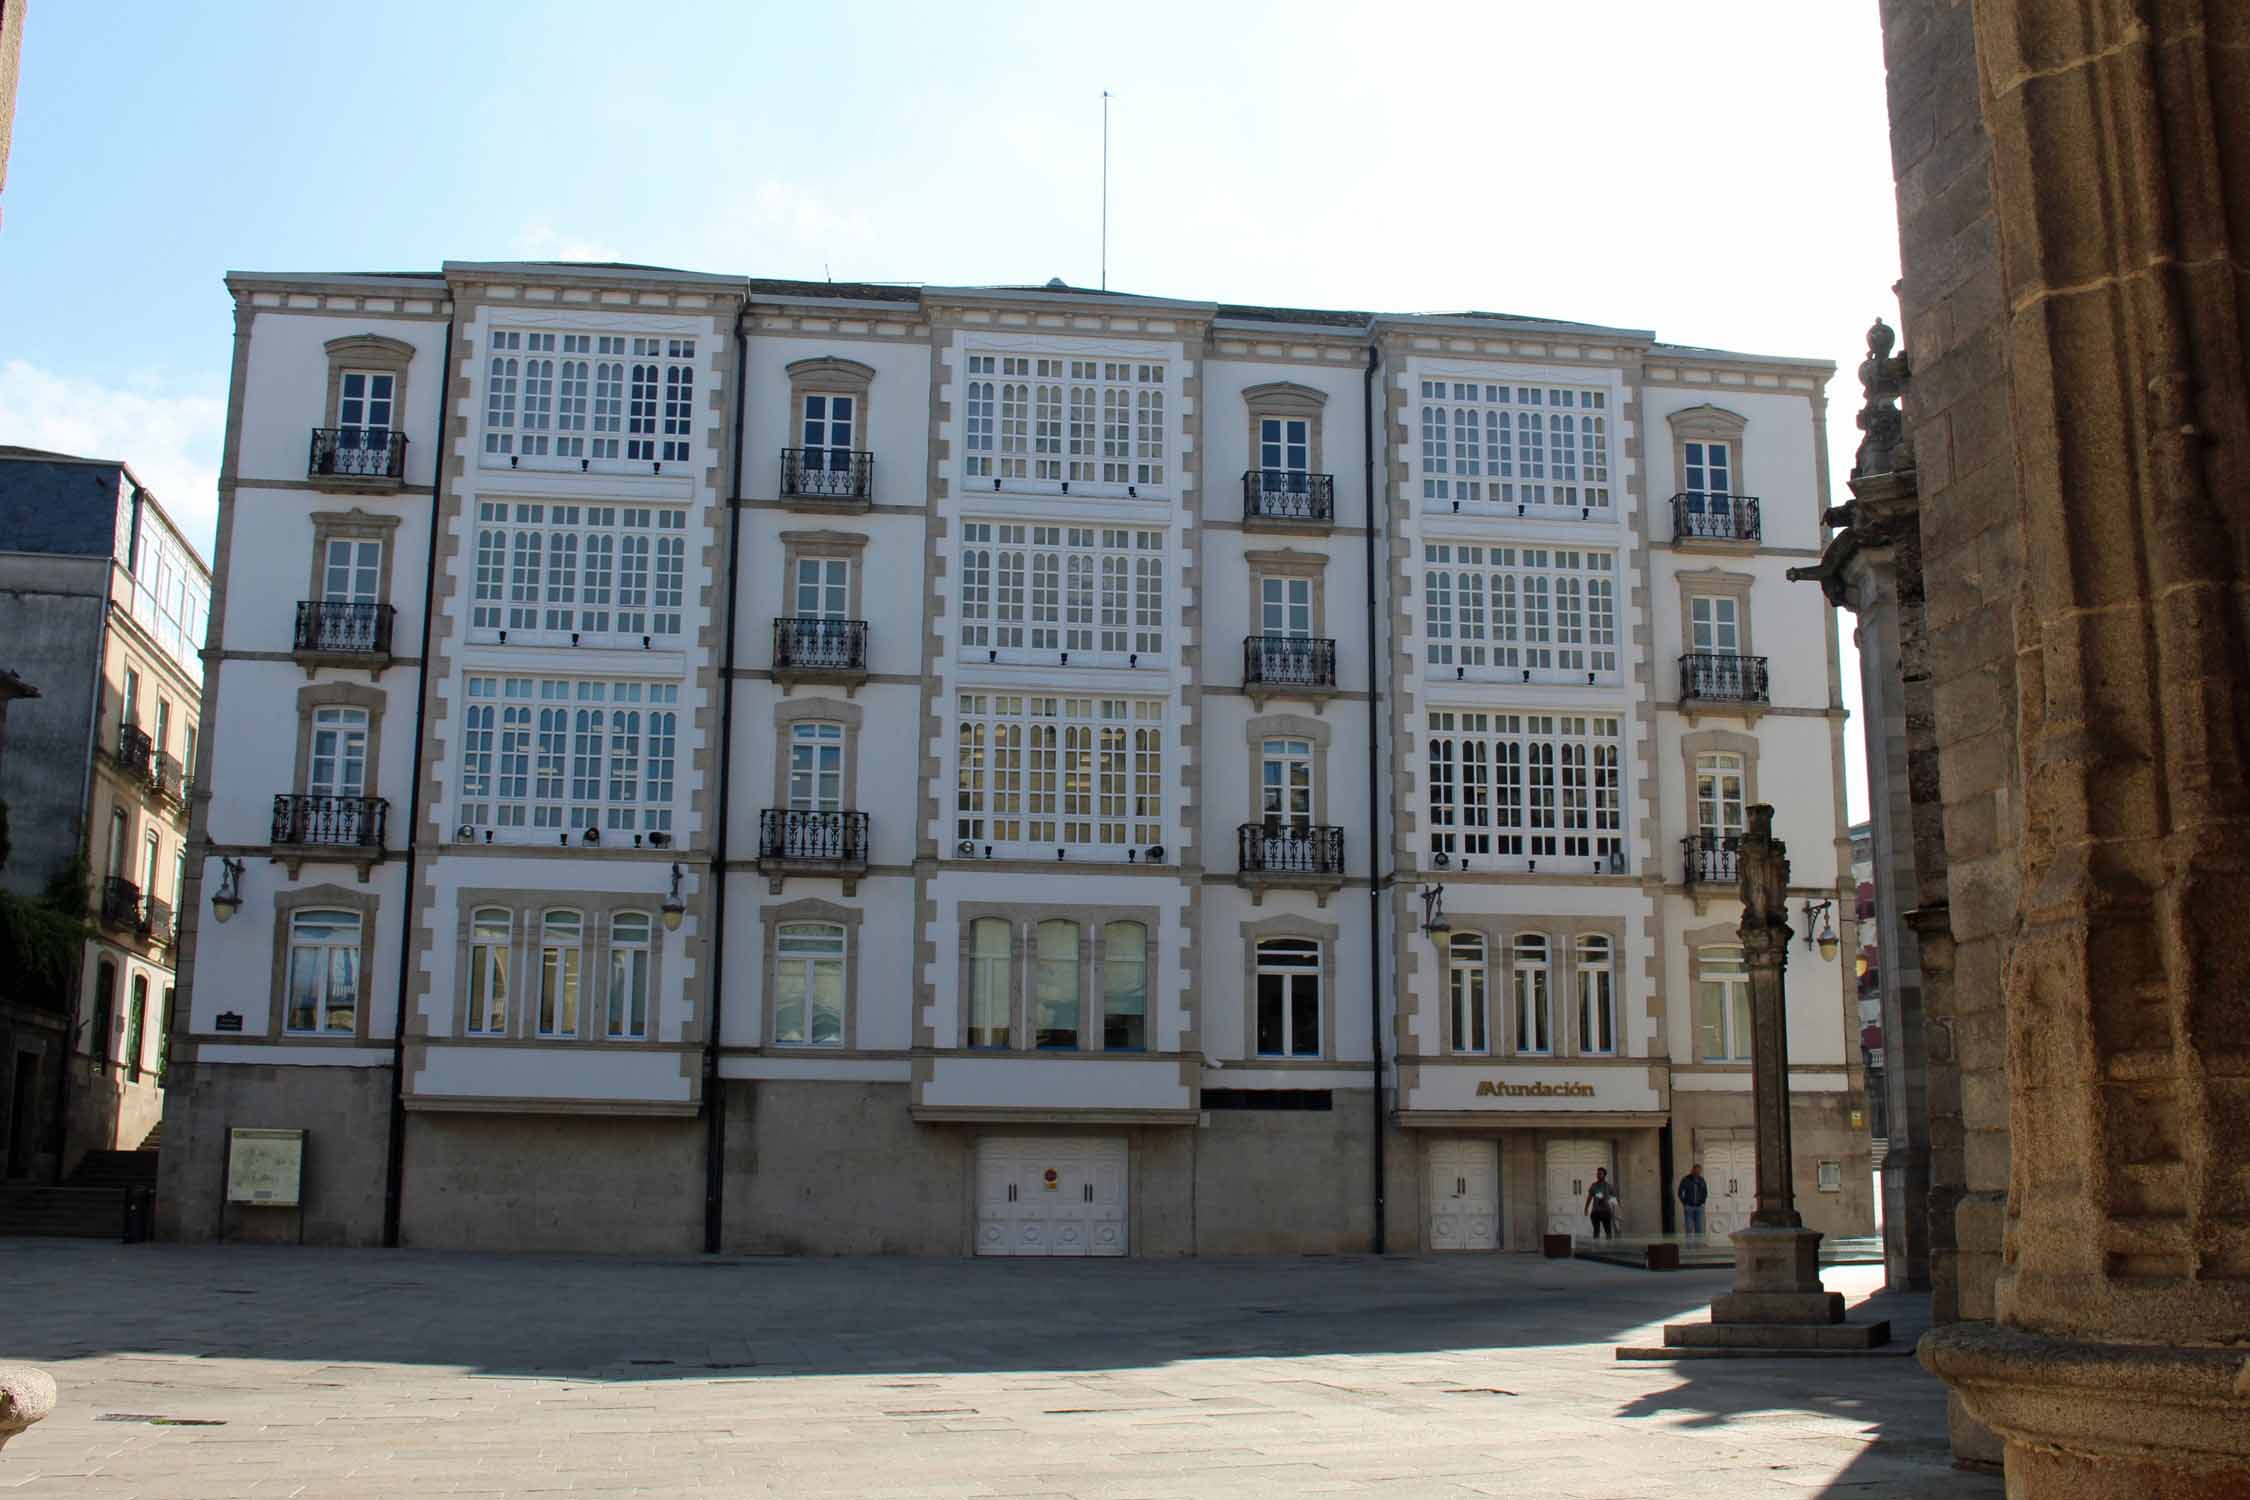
(1722, 680)
(134, 750)
(357, 458)
(1731, 520)
(320, 826)
(342, 633)
(799, 841)
(121, 904)
(1709, 860)
(812, 648)
(1289, 857)
(839, 478)
(1288, 500)
(1288, 666)
(158, 924)
(167, 777)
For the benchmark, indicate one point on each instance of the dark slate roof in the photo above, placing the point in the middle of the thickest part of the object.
(53, 502)
(859, 291)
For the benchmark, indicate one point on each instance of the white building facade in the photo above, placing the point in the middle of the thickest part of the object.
(827, 768)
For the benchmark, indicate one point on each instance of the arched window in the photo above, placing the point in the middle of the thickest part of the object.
(1288, 1021)
(1124, 987)
(629, 934)
(808, 993)
(989, 939)
(323, 973)
(559, 958)
(1535, 1021)
(1718, 794)
(1597, 996)
(1054, 986)
(489, 930)
(1465, 983)
(136, 1023)
(1722, 1005)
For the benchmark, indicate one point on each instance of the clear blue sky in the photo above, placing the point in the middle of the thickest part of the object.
(1718, 172)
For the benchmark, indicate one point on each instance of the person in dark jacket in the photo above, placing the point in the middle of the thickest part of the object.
(1694, 1192)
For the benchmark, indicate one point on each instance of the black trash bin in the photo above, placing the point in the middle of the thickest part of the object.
(140, 1214)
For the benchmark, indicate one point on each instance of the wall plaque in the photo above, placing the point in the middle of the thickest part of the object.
(1488, 1088)
(229, 1021)
(265, 1167)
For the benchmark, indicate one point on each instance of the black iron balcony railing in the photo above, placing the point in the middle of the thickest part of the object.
(1709, 859)
(799, 834)
(813, 643)
(1305, 661)
(827, 473)
(344, 627)
(357, 453)
(134, 749)
(347, 822)
(164, 777)
(1722, 677)
(121, 903)
(1288, 495)
(1290, 850)
(157, 921)
(1715, 518)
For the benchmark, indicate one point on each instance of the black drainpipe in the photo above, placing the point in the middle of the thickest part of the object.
(394, 1151)
(1374, 794)
(714, 1098)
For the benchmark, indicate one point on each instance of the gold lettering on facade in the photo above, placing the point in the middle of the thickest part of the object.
(1490, 1088)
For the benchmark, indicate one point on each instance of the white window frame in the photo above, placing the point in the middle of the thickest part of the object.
(1520, 614)
(1707, 475)
(821, 588)
(1507, 789)
(1595, 973)
(1285, 784)
(352, 570)
(631, 974)
(1730, 979)
(1032, 591)
(1124, 978)
(991, 980)
(1038, 772)
(560, 401)
(337, 766)
(560, 1013)
(816, 766)
(349, 929)
(1292, 961)
(548, 757)
(1531, 995)
(1286, 606)
(1722, 780)
(1091, 425)
(491, 962)
(1468, 994)
(1514, 445)
(371, 411)
(555, 572)
(807, 964)
(1059, 966)
(1715, 624)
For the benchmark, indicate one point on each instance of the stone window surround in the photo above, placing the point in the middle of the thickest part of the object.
(372, 352)
(596, 911)
(1287, 399)
(787, 714)
(339, 695)
(1715, 583)
(1716, 741)
(352, 525)
(806, 545)
(1289, 925)
(1294, 727)
(829, 375)
(1500, 932)
(286, 903)
(1288, 562)
(772, 918)
(1708, 424)
(1023, 925)
(1698, 939)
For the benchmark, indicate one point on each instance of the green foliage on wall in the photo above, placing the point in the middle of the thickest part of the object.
(40, 939)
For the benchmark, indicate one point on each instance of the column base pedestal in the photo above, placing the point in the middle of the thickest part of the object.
(1777, 1307)
(2088, 1421)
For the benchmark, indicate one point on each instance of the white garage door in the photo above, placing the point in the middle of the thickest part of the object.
(1050, 1197)
(1731, 1168)
(1570, 1172)
(1464, 1195)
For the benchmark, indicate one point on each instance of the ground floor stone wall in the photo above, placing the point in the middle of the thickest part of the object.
(34, 1046)
(605, 1183)
(345, 1114)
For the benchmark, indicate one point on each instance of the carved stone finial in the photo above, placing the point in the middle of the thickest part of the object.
(1882, 375)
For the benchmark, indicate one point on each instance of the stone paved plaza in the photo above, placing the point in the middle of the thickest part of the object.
(232, 1371)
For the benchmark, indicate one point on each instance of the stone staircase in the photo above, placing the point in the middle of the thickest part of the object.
(90, 1203)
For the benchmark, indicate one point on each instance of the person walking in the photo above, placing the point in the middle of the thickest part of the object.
(1601, 1204)
(1694, 1193)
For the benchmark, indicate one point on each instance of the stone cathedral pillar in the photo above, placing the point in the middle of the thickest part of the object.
(2119, 1362)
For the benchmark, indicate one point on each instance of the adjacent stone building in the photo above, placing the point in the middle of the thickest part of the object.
(838, 768)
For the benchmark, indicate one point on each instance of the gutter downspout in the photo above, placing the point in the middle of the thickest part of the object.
(394, 1148)
(714, 1098)
(1374, 797)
